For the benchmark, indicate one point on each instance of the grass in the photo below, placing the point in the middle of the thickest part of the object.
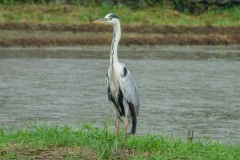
(79, 15)
(89, 142)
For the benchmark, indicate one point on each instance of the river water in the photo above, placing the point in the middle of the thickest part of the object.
(175, 95)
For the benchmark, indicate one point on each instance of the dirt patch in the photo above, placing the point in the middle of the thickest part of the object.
(34, 34)
(160, 29)
(127, 40)
(15, 151)
(50, 152)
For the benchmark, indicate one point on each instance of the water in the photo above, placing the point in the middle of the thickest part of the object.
(175, 95)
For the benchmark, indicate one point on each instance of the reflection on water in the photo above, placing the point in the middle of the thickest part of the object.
(175, 95)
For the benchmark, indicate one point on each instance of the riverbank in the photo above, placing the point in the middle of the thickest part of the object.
(89, 142)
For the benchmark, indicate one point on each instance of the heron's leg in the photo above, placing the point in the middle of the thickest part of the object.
(117, 130)
(125, 132)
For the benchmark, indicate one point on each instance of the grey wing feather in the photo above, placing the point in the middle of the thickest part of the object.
(130, 90)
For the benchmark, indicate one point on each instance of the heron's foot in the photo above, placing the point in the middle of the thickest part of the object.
(126, 151)
(121, 151)
(114, 151)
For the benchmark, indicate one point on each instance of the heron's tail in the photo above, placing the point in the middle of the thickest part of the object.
(131, 127)
(132, 124)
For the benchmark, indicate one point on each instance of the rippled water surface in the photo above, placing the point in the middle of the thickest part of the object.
(175, 95)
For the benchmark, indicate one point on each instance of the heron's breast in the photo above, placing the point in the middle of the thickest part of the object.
(114, 87)
(114, 80)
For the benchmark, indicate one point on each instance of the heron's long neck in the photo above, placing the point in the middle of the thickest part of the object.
(114, 45)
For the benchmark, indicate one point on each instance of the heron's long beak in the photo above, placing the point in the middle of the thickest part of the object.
(102, 20)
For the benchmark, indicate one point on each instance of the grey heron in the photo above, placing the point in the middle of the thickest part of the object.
(120, 86)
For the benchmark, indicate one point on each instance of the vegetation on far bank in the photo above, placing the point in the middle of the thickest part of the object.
(77, 14)
(89, 142)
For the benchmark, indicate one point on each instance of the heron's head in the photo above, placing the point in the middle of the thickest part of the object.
(110, 19)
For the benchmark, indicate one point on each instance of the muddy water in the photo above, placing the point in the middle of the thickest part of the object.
(175, 95)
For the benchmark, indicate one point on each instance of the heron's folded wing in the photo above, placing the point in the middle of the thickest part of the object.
(130, 90)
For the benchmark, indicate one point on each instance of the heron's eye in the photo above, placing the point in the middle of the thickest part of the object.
(110, 18)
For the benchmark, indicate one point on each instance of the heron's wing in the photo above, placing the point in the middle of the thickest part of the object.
(130, 91)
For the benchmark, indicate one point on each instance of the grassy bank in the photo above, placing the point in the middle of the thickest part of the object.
(88, 142)
(164, 15)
